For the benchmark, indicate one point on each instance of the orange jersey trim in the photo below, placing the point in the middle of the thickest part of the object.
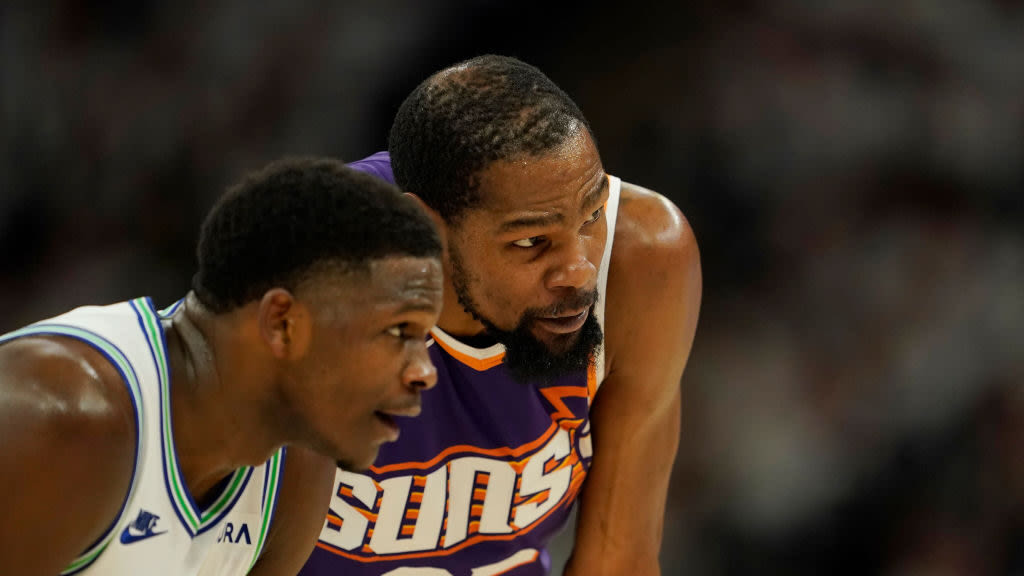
(466, 448)
(570, 495)
(478, 364)
(562, 417)
(562, 412)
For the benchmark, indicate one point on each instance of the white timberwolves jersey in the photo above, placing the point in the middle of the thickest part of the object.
(160, 529)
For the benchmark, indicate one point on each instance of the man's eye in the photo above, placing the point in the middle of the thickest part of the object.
(528, 242)
(596, 215)
(397, 331)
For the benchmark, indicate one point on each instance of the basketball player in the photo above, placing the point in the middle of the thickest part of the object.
(571, 301)
(202, 439)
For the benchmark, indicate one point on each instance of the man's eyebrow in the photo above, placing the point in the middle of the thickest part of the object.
(416, 305)
(531, 221)
(595, 194)
(542, 219)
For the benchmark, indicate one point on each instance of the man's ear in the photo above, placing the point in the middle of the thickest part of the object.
(439, 222)
(285, 324)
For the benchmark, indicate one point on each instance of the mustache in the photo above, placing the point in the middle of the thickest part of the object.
(576, 301)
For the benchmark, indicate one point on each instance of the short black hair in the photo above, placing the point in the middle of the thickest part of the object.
(463, 118)
(274, 226)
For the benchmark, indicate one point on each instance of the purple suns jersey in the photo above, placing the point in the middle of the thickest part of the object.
(378, 165)
(477, 484)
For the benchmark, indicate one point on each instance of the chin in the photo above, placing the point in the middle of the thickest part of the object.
(357, 464)
(558, 344)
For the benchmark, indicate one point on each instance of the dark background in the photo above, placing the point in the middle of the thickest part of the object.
(854, 403)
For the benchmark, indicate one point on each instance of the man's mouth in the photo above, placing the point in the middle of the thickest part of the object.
(391, 430)
(387, 419)
(411, 411)
(563, 324)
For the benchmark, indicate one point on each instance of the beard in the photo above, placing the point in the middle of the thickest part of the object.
(528, 359)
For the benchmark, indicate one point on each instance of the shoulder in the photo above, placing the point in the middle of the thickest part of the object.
(69, 433)
(650, 227)
(62, 383)
(654, 277)
(63, 395)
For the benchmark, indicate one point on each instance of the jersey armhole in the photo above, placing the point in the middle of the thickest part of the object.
(611, 214)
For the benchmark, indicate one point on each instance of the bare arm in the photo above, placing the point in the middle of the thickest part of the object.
(68, 431)
(653, 301)
(306, 485)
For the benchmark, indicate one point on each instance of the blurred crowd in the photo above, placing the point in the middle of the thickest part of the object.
(853, 172)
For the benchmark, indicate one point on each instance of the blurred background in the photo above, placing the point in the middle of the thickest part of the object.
(854, 402)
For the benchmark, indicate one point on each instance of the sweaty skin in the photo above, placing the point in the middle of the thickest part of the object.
(314, 370)
(654, 292)
(535, 242)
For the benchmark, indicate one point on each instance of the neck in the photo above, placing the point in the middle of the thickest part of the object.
(217, 397)
(455, 319)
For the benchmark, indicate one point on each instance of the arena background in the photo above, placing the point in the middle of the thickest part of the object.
(853, 172)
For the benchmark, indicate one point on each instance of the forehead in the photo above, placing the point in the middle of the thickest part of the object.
(402, 277)
(559, 178)
(392, 282)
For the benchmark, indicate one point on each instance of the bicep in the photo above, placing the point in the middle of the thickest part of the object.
(67, 457)
(301, 512)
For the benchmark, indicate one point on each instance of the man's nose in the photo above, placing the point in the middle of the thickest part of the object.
(572, 267)
(420, 372)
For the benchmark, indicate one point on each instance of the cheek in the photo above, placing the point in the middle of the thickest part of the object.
(344, 373)
(374, 371)
(506, 297)
(595, 248)
(500, 287)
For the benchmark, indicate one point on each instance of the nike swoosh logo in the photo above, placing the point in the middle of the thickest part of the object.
(127, 537)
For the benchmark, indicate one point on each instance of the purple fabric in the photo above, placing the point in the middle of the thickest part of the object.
(501, 462)
(378, 165)
(533, 443)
